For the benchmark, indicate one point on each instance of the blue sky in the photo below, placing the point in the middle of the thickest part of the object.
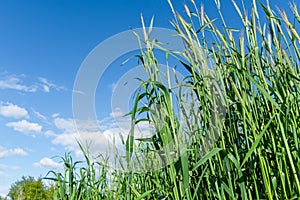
(42, 46)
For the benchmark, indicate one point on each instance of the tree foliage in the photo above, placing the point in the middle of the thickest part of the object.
(29, 188)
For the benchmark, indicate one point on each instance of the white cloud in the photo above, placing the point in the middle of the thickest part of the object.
(78, 92)
(14, 111)
(46, 88)
(85, 132)
(24, 126)
(47, 85)
(117, 112)
(19, 151)
(10, 152)
(49, 133)
(39, 114)
(113, 86)
(101, 136)
(68, 136)
(69, 141)
(55, 115)
(47, 163)
(67, 125)
(98, 142)
(15, 82)
(4, 167)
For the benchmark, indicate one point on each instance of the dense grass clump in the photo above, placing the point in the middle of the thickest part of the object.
(249, 104)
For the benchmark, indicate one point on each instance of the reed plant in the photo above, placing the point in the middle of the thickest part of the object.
(241, 91)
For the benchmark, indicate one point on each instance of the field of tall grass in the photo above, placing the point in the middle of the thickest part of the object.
(241, 91)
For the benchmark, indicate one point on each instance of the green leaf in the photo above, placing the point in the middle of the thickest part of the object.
(145, 194)
(206, 157)
(253, 147)
(263, 91)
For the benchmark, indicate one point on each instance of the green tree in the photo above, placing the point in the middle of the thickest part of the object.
(30, 189)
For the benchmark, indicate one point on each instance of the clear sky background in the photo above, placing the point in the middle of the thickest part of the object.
(42, 45)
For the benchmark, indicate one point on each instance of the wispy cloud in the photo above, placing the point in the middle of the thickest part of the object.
(3, 167)
(4, 173)
(24, 126)
(10, 152)
(113, 86)
(55, 115)
(39, 115)
(15, 82)
(78, 92)
(48, 85)
(14, 111)
(47, 163)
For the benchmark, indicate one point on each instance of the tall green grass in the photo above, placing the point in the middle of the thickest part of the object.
(249, 105)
